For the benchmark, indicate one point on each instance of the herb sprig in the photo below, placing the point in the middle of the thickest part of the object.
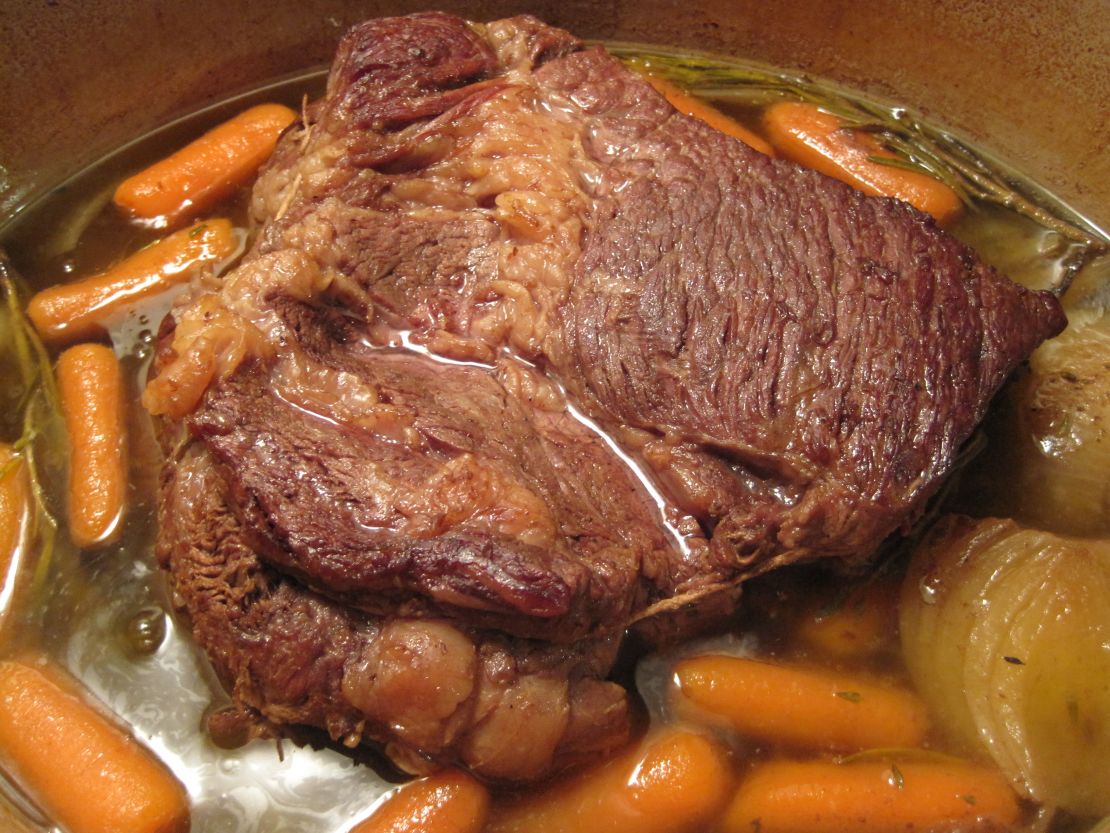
(40, 439)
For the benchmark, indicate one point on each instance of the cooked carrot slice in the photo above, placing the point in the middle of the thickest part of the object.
(15, 511)
(91, 388)
(809, 136)
(205, 172)
(802, 706)
(871, 797)
(448, 802)
(74, 311)
(85, 773)
(679, 782)
(863, 624)
(696, 108)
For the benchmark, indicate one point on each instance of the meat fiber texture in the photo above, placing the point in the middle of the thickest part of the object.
(521, 359)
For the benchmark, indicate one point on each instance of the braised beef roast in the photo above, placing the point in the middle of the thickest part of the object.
(522, 358)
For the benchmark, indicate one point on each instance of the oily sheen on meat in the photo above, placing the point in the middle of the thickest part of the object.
(523, 358)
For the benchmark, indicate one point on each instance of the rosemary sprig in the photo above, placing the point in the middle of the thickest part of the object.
(916, 145)
(40, 413)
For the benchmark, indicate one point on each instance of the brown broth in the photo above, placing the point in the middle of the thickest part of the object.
(104, 615)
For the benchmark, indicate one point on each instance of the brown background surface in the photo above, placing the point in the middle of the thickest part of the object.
(1029, 82)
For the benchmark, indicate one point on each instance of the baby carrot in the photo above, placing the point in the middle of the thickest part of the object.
(91, 389)
(73, 311)
(861, 625)
(14, 502)
(871, 797)
(801, 706)
(688, 105)
(809, 136)
(679, 782)
(206, 171)
(85, 773)
(448, 802)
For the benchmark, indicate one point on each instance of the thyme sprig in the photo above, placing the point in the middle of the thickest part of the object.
(38, 403)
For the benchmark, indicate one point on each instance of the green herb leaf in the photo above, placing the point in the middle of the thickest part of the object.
(897, 162)
(1073, 710)
(897, 779)
(850, 696)
(969, 799)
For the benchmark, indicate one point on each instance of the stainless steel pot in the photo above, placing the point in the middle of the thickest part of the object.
(1029, 82)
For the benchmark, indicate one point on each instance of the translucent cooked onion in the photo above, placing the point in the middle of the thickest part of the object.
(1006, 632)
(1064, 431)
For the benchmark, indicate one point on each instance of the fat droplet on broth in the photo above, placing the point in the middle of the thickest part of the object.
(930, 587)
(229, 766)
(145, 631)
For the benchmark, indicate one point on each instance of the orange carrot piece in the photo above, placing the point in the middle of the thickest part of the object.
(91, 387)
(73, 311)
(85, 773)
(871, 797)
(15, 517)
(811, 137)
(448, 802)
(15, 502)
(802, 707)
(860, 626)
(678, 782)
(694, 107)
(206, 171)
